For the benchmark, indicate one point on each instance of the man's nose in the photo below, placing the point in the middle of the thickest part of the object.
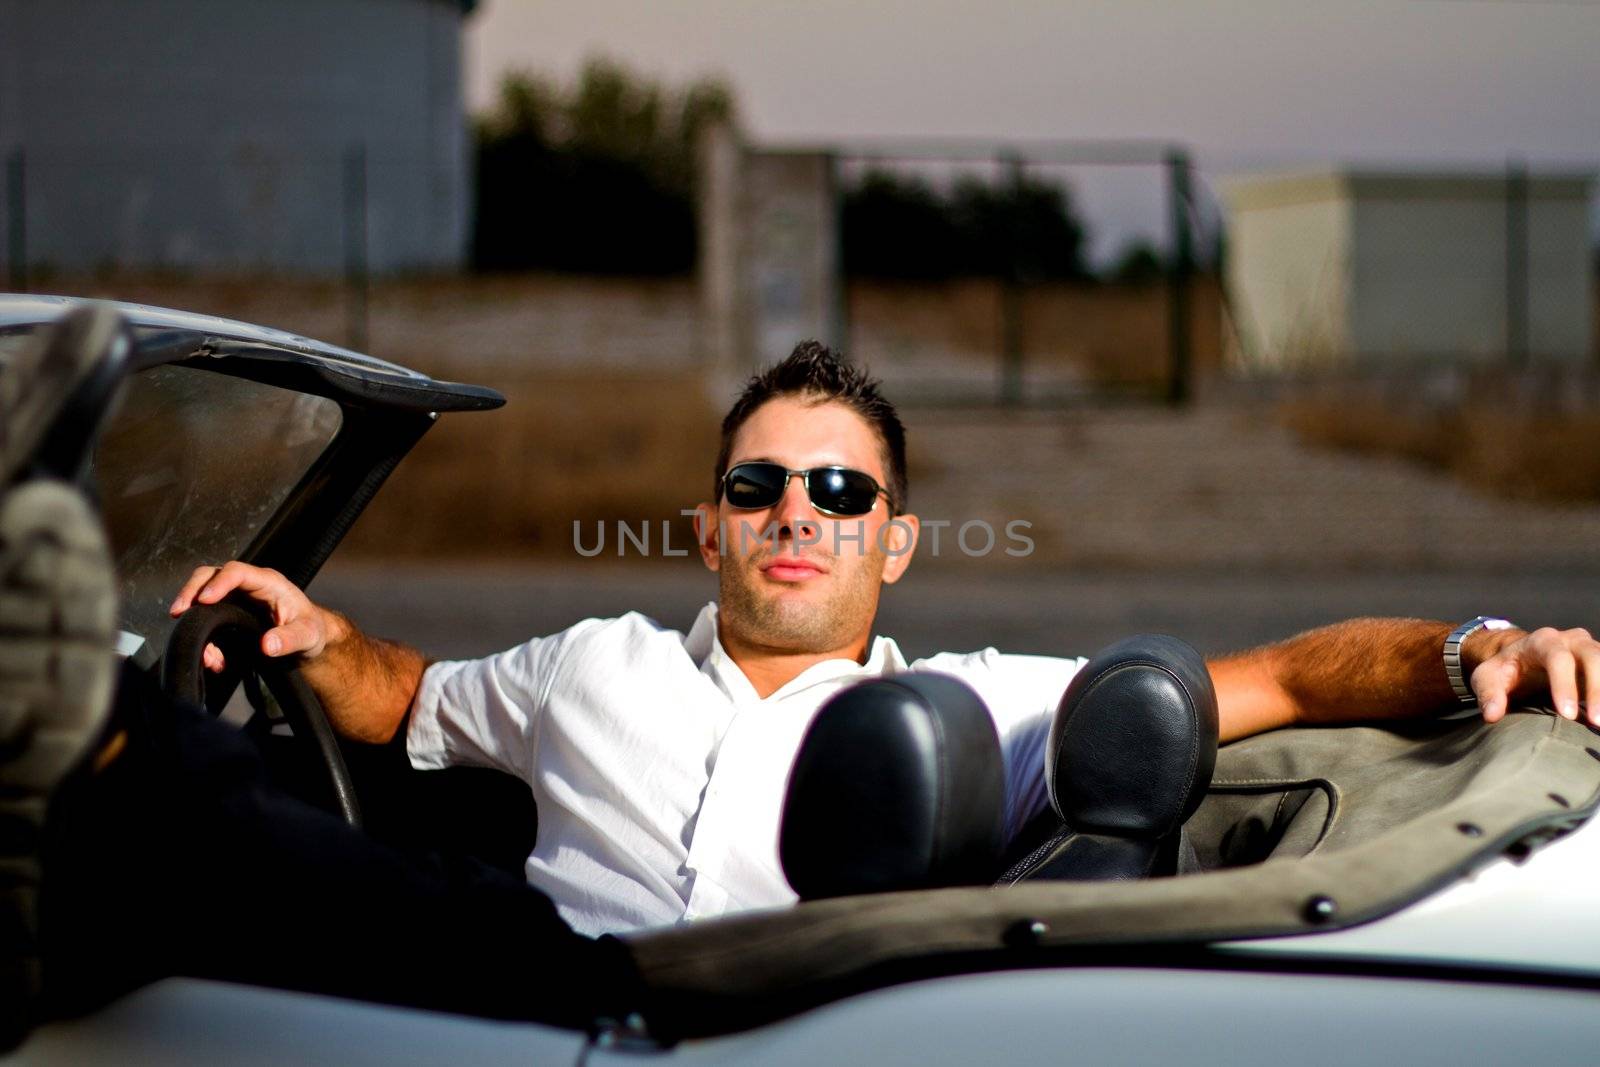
(795, 511)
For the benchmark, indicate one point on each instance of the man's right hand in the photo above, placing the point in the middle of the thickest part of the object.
(299, 626)
(366, 684)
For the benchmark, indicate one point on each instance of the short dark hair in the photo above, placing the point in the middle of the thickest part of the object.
(815, 370)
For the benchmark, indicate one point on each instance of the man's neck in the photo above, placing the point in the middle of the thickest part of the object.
(770, 669)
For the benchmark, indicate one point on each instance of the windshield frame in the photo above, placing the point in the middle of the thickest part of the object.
(385, 410)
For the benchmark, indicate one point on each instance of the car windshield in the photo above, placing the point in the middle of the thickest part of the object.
(191, 466)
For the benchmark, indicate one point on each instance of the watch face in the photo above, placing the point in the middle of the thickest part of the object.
(1482, 622)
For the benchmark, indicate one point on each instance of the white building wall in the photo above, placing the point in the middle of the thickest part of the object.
(1289, 272)
(209, 135)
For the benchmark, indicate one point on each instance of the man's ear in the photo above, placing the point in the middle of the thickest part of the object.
(708, 535)
(900, 541)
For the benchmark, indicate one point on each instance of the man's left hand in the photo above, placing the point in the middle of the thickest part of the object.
(1562, 666)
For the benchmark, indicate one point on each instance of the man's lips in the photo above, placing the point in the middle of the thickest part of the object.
(791, 568)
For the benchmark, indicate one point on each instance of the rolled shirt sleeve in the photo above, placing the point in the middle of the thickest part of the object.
(485, 712)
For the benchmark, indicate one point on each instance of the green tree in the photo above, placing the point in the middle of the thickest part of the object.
(596, 176)
(1026, 228)
(902, 227)
(896, 227)
(1138, 264)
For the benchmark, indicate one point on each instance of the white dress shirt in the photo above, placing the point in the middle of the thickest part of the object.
(660, 774)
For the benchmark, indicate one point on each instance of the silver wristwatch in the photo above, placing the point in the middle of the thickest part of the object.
(1452, 653)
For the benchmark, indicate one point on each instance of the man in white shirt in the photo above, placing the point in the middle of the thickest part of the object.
(658, 760)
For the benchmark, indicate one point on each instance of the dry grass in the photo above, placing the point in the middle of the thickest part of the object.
(1107, 334)
(1111, 334)
(1527, 436)
(586, 448)
(633, 448)
(608, 419)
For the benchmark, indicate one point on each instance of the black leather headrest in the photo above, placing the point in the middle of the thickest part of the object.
(898, 785)
(1134, 740)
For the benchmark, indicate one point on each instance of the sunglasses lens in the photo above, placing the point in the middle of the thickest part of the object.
(843, 492)
(837, 491)
(755, 485)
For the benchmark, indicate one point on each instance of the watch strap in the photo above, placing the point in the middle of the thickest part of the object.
(1452, 653)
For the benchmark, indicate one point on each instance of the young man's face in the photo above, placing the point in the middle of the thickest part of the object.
(792, 577)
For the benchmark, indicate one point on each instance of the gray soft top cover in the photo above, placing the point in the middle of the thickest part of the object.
(1304, 830)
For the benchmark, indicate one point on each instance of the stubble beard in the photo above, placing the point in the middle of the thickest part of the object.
(798, 626)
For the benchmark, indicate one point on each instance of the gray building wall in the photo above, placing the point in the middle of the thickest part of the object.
(1406, 266)
(198, 134)
(1429, 272)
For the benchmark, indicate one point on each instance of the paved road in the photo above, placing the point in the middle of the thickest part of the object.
(465, 610)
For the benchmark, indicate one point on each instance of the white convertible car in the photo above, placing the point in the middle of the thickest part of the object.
(1419, 893)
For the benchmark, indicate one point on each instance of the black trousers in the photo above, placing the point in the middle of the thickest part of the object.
(180, 859)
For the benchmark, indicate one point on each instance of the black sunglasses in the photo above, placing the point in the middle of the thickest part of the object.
(835, 490)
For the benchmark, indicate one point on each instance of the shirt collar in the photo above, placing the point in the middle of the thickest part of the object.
(703, 646)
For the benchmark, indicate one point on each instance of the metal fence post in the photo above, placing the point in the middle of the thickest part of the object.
(1179, 271)
(1011, 384)
(1516, 262)
(17, 220)
(839, 289)
(355, 246)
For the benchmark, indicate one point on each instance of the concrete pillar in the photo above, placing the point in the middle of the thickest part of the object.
(769, 252)
(717, 264)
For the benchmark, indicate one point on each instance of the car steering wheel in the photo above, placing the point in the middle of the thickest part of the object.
(237, 629)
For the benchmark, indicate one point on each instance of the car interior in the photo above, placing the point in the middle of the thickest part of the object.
(209, 448)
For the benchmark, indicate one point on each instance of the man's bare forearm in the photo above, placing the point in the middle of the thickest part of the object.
(1363, 669)
(366, 684)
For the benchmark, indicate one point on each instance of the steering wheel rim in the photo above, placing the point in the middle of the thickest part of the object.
(239, 627)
